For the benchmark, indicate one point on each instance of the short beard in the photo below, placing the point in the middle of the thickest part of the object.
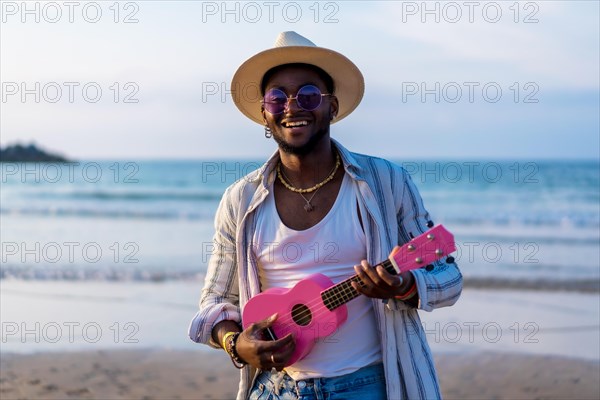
(306, 148)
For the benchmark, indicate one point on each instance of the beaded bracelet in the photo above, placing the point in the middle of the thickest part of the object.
(224, 341)
(230, 349)
(409, 294)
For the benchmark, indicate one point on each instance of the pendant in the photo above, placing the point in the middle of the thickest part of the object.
(308, 207)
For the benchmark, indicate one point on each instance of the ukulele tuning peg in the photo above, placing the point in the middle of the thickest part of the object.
(439, 252)
(418, 260)
(410, 247)
(430, 236)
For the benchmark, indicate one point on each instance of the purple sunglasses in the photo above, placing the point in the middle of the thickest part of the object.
(308, 98)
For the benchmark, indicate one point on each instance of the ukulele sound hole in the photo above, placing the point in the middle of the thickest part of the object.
(301, 315)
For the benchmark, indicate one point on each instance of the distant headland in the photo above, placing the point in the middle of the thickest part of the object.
(28, 153)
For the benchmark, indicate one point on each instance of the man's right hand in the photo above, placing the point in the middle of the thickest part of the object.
(264, 354)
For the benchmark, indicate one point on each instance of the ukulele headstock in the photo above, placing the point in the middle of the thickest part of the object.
(422, 250)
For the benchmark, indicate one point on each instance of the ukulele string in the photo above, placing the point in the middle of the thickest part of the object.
(347, 292)
(343, 291)
(340, 291)
(340, 294)
(319, 304)
(321, 308)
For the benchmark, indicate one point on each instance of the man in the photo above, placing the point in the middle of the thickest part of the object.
(316, 207)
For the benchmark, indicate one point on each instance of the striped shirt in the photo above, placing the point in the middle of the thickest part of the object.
(392, 212)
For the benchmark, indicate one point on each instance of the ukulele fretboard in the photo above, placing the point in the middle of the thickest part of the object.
(343, 292)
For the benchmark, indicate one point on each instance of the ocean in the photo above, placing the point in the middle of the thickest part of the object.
(514, 221)
(112, 254)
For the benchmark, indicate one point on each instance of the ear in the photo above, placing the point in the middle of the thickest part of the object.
(333, 107)
(262, 111)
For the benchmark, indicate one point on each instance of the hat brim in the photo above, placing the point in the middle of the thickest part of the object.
(348, 80)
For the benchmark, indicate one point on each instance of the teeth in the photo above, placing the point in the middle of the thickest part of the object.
(296, 123)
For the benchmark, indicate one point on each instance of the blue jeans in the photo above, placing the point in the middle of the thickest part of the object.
(368, 383)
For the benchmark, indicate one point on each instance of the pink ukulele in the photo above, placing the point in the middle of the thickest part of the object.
(315, 307)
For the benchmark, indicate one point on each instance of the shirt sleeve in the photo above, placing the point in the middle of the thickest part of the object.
(220, 295)
(440, 284)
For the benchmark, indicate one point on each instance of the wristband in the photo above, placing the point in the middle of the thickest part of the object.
(224, 341)
(408, 294)
(230, 349)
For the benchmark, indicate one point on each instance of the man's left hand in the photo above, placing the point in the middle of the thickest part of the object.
(378, 283)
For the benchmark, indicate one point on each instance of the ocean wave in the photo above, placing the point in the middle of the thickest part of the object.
(542, 220)
(565, 285)
(541, 223)
(133, 195)
(588, 285)
(115, 214)
(539, 238)
(90, 274)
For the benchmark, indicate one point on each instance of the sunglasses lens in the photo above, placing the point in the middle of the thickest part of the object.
(309, 97)
(275, 101)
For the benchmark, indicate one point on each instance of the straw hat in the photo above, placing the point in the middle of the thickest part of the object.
(291, 47)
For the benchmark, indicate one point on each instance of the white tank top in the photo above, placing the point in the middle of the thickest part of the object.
(332, 247)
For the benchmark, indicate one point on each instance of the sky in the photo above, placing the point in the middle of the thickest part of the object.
(448, 80)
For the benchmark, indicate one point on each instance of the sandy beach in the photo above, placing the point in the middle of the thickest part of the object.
(129, 341)
(163, 374)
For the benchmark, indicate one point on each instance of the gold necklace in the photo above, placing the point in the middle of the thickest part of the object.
(310, 189)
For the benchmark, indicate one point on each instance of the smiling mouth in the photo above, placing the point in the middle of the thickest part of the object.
(294, 124)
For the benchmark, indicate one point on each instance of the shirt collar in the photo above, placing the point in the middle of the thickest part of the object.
(351, 165)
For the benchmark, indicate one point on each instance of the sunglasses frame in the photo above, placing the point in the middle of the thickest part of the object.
(288, 98)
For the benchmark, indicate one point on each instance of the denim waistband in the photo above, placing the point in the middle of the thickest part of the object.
(281, 384)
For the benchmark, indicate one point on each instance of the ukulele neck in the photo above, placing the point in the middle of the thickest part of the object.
(425, 248)
(338, 295)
